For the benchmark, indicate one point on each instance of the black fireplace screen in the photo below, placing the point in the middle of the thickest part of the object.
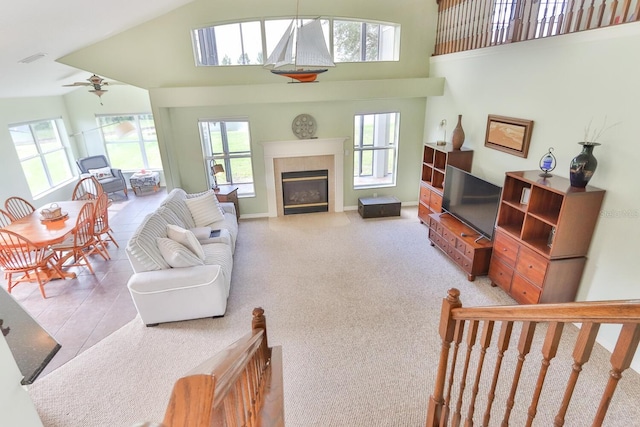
(305, 191)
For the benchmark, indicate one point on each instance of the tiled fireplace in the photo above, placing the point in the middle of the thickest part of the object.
(304, 155)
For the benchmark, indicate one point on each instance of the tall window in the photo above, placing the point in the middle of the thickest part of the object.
(45, 160)
(241, 43)
(131, 141)
(228, 142)
(357, 41)
(375, 149)
(230, 44)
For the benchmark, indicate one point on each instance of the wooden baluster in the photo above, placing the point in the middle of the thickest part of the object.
(516, 24)
(457, 338)
(589, 16)
(471, 341)
(636, 13)
(579, 16)
(487, 24)
(447, 27)
(581, 354)
(485, 341)
(524, 347)
(466, 25)
(549, 350)
(527, 32)
(552, 20)
(478, 24)
(614, 7)
(621, 359)
(446, 329)
(567, 24)
(601, 9)
(438, 47)
(503, 19)
(625, 11)
(543, 22)
(458, 27)
(502, 346)
(560, 19)
(470, 18)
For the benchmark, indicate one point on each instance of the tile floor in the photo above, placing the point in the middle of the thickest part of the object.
(79, 313)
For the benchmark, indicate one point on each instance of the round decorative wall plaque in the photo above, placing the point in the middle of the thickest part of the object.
(304, 126)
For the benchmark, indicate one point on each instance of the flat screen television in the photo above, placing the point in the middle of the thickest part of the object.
(472, 200)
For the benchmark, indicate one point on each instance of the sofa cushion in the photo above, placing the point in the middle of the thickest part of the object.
(177, 255)
(204, 209)
(142, 248)
(175, 202)
(185, 238)
(170, 216)
(101, 173)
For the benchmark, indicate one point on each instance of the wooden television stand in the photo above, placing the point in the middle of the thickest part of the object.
(465, 246)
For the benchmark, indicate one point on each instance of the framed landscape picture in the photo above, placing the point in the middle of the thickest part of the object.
(509, 135)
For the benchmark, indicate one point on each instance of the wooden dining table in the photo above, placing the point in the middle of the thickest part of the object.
(44, 233)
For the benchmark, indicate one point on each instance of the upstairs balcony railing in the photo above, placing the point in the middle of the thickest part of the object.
(474, 24)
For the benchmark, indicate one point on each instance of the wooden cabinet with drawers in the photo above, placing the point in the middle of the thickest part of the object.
(461, 244)
(435, 159)
(540, 246)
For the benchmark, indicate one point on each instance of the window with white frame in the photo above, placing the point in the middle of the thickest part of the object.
(375, 149)
(130, 141)
(228, 143)
(229, 44)
(358, 41)
(241, 43)
(45, 160)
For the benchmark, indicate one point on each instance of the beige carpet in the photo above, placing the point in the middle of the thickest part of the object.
(354, 304)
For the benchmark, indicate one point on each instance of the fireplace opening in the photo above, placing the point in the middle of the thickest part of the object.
(305, 191)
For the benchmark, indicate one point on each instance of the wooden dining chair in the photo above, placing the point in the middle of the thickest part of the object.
(17, 207)
(87, 188)
(18, 255)
(103, 230)
(5, 218)
(81, 242)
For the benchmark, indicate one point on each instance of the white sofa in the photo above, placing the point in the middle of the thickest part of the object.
(188, 280)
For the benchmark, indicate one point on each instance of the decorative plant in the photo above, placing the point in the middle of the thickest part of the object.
(591, 135)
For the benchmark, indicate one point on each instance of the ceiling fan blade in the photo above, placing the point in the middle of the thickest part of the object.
(78, 84)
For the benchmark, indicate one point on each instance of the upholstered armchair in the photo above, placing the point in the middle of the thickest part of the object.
(110, 178)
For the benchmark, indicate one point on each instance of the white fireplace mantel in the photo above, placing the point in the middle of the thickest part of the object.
(304, 148)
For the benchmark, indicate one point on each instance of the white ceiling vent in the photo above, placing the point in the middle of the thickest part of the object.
(30, 59)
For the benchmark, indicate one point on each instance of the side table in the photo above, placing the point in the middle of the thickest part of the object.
(228, 193)
(145, 182)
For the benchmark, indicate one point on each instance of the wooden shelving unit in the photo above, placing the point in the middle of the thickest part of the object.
(435, 159)
(540, 246)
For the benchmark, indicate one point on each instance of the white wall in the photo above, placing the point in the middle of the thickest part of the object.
(562, 84)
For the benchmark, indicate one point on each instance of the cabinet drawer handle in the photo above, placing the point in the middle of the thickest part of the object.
(530, 266)
(504, 250)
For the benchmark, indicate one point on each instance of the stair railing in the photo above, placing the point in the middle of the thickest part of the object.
(468, 332)
(240, 386)
(474, 24)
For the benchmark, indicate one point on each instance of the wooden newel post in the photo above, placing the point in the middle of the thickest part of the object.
(258, 322)
(447, 330)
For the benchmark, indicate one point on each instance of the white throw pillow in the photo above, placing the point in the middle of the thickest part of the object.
(101, 173)
(177, 255)
(185, 238)
(204, 209)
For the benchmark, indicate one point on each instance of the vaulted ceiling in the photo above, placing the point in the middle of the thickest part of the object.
(43, 31)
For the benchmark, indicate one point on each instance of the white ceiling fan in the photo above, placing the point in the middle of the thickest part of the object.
(97, 82)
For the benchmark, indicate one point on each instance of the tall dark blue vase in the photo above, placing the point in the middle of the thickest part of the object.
(583, 165)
